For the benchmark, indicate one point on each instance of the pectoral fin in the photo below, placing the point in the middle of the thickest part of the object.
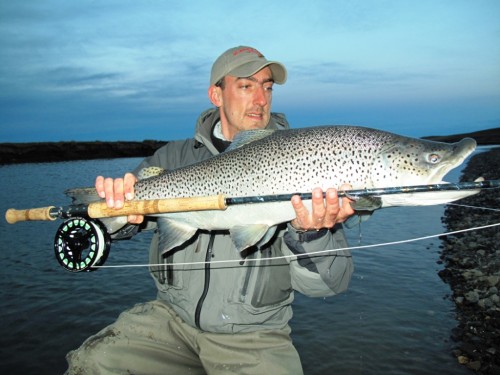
(173, 233)
(368, 203)
(364, 207)
(89, 195)
(357, 219)
(267, 237)
(83, 195)
(249, 235)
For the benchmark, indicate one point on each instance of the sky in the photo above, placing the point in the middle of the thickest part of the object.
(134, 70)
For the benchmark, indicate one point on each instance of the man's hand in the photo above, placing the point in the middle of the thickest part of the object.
(116, 191)
(325, 212)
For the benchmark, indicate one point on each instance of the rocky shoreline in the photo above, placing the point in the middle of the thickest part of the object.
(472, 269)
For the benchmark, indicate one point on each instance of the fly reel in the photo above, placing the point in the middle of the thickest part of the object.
(81, 244)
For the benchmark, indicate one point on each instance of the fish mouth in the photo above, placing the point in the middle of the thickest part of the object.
(461, 150)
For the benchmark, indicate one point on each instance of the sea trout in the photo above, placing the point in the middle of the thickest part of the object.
(265, 162)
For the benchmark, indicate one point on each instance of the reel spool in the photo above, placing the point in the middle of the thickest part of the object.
(81, 244)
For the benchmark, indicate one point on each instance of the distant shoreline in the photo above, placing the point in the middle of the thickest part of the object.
(41, 152)
(486, 137)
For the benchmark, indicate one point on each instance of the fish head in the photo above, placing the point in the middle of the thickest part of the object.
(410, 161)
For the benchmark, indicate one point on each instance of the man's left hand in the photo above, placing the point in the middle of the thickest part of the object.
(326, 212)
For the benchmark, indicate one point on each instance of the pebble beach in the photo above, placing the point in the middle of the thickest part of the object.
(472, 269)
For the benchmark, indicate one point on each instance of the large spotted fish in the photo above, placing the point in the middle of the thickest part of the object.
(264, 162)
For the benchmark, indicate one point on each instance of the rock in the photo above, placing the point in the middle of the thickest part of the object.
(462, 359)
(469, 349)
(472, 274)
(493, 280)
(485, 303)
(445, 273)
(492, 350)
(472, 297)
(475, 365)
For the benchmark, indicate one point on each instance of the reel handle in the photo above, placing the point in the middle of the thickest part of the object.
(43, 213)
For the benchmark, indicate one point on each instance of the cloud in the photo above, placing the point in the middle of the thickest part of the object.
(341, 73)
(104, 65)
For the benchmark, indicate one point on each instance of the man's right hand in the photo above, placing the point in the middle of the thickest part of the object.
(116, 191)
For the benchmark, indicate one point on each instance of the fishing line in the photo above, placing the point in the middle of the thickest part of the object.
(476, 207)
(296, 256)
(83, 244)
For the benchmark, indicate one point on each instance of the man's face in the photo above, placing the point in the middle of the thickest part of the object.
(245, 103)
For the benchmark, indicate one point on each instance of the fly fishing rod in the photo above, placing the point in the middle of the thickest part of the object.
(82, 242)
(97, 210)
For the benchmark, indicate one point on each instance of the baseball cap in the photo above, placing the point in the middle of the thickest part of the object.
(243, 61)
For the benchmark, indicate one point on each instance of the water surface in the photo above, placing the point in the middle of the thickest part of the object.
(395, 318)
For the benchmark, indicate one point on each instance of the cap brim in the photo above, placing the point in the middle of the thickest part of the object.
(249, 69)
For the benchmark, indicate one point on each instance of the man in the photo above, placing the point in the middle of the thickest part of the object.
(230, 318)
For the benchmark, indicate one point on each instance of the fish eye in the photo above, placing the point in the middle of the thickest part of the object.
(433, 158)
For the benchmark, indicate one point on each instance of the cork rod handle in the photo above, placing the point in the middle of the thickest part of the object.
(43, 213)
(157, 206)
(142, 207)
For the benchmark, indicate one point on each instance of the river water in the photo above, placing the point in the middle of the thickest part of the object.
(396, 317)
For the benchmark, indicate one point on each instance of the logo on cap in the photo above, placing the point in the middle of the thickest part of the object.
(248, 50)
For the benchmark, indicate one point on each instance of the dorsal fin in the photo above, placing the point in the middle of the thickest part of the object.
(249, 136)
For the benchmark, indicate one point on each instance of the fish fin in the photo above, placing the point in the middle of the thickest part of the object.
(369, 203)
(114, 224)
(357, 219)
(364, 207)
(244, 236)
(149, 172)
(89, 195)
(267, 237)
(173, 233)
(83, 195)
(248, 136)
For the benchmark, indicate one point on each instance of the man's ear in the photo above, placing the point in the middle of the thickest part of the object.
(215, 95)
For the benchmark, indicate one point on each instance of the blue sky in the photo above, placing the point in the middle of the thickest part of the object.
(134, 70)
